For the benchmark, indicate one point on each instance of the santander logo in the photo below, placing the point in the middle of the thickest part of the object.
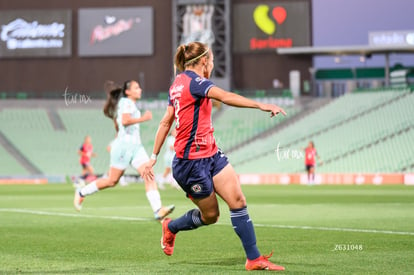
(266, 24)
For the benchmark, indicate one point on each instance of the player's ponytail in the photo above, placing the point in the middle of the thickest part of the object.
(179, 59)
(113, 95)
(189, 55)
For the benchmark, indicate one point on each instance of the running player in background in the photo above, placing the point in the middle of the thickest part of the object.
(86, 153)
(310, 154)
(127, 148)
(199, 167)
(122, 181)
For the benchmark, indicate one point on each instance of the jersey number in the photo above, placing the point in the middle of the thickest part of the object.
(177, 109)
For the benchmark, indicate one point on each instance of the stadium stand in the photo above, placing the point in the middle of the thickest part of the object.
(8, 164)
(234, 125)
(31, 132)
(78, 124)
(359, 132)
(382, 143)
(53, 150)
(338, 129)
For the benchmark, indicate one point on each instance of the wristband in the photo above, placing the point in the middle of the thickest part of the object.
(153, 156)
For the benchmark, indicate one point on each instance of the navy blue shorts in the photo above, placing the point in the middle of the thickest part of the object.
(195, 176)
(309, 166)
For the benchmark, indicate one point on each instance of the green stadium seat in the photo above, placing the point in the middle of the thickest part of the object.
(362, 132)
(341, 128)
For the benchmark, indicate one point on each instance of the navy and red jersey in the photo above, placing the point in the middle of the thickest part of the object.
(86, 150)
(310, 154)
(192, 109)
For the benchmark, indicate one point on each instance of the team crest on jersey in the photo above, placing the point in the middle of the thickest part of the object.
(196, 188)
(200, 80)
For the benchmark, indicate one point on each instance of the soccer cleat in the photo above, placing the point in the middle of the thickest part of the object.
(77, 201)
(168, 238)
(262, 263)
(164, 212)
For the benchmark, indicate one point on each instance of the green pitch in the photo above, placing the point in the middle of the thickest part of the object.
(312, 230)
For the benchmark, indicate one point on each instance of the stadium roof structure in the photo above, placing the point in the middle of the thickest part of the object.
(362, 50)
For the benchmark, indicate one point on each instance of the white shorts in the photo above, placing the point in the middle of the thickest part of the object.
(124, 154)
(168, 159)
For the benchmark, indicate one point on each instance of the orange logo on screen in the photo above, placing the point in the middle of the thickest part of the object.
(264, 22)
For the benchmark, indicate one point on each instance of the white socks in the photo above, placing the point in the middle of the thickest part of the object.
(154, 199)
(89, 189)
(153, 196)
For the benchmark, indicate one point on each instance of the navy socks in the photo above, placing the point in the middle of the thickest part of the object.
(189, 221)
(243, 226)
(240, 220)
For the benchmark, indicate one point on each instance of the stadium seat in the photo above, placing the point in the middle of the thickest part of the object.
(339, 130)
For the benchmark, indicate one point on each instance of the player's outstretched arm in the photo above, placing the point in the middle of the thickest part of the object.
(127, 119)
(236, 100)
(160, 136)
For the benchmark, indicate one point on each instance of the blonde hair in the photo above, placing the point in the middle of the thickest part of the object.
(189, 54)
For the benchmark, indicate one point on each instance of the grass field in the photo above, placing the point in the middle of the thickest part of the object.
(312, 230)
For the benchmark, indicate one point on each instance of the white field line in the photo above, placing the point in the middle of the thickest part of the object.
(123, 218)
(77, 215)
(357, 230)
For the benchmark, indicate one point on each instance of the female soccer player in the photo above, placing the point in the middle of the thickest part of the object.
(86, 153)
(126, 148)
(199, 167)
(310, 154)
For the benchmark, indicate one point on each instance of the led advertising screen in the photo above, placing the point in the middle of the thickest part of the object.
(35, 33)
(116, 31)
(264, 27)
